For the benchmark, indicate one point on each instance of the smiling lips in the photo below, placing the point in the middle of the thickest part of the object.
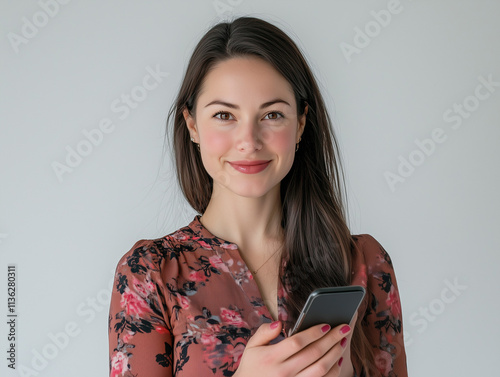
(250, 167)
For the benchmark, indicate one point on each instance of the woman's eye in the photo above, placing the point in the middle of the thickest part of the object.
(274, 115)
(223, 115)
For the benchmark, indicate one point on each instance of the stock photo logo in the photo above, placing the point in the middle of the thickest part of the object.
(225, 8)
(372, 29)
(32, 26)
(122, 106)
(421, 318)
(58, 341)
(454, 115)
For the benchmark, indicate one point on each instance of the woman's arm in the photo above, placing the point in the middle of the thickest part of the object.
(383, 320)
(140, 340)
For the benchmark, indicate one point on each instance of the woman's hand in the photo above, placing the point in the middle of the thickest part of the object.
(308, 353)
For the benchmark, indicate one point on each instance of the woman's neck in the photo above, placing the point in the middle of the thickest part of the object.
(253, 224)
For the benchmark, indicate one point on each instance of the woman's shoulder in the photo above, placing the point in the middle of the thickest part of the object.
(150, 254)
(372, 253)
(371, 263)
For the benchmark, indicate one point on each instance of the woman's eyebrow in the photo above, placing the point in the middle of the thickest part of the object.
(233, 106)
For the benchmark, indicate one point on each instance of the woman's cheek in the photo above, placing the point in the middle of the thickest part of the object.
(283, 144)
(286, 141)
(216, 142)
(275, 138)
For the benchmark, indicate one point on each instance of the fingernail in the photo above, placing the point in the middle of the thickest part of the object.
(340, 361)
(345, 329)
(275, 324)
(343, 342)
(325, 328)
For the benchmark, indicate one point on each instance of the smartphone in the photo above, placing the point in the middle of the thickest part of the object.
(332, 305)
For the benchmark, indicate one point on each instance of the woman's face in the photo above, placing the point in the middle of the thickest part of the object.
(246, 114)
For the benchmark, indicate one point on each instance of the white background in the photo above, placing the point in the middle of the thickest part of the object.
(66, 235)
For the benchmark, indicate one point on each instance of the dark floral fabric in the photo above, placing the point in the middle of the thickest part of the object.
(186, 305)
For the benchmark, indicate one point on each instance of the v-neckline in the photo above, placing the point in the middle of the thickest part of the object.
(230, 254)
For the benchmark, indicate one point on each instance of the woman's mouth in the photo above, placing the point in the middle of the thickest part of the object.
(250, 167)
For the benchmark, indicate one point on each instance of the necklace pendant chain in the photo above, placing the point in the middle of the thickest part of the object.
(255, 272)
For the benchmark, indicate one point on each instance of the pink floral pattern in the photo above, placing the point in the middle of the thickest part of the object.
(186, 305)
(216, 262)
(383, 361)
(119, 364)
(133, 303)
(232, 317)
(393, 302)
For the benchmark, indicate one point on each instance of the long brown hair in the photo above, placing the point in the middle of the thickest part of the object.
(318, 244)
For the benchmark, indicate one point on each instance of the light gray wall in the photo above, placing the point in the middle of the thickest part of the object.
(65, 233)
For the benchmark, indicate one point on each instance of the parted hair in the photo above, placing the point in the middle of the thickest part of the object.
(318, 245)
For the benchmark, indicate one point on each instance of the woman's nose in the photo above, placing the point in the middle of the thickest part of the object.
(249, 137)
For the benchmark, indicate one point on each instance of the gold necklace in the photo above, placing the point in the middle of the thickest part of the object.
(257, 270)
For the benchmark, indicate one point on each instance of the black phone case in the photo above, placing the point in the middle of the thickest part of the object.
(332, 305)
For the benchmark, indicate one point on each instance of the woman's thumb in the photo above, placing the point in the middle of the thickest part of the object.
(264, 334)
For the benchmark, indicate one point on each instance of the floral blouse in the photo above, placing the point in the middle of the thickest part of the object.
(186, 305)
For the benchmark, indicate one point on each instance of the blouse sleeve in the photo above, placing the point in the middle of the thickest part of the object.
(383, 321)
(140, 337)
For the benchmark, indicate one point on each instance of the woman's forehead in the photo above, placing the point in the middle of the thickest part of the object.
(245, 79)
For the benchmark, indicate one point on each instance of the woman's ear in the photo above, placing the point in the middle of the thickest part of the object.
(302, 122)
(190, 124)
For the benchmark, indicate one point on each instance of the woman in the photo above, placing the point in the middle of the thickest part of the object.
(256, 156)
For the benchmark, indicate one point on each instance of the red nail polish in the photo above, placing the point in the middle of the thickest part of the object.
(343, 342)
(345, 329)
(340, 361)
(275, 324)
(325, 328)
